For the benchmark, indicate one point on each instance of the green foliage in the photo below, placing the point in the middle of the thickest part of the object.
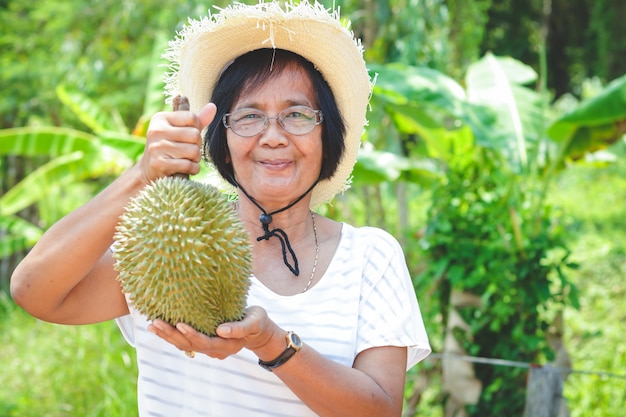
(525, 29)
(482, 239)
(414, 32)
(103, 48)
(63, 371)
(598, 241)
(465, 39)
(76, 163)
(476, 152)
(426, 103)
(75, 157)
(609, 41)
(596, 123)
(490, 230)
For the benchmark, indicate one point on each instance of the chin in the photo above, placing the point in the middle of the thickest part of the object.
(281, 194)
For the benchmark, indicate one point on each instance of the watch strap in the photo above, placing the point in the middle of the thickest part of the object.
(293, 346)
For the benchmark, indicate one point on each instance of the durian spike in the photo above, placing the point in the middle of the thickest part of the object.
(182, 253)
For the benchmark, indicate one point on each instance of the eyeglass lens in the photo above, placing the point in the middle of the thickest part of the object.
(297, 120)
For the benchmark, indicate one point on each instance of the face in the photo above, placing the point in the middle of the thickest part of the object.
(275, 166)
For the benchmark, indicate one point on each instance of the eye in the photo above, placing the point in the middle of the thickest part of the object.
(247, 115)
(294, 115)
(299, 113)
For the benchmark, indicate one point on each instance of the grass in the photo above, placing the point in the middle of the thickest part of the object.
(62, 371)
(88, 371)
(594, 202)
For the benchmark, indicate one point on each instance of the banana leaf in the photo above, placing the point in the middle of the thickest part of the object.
(595, 124)
(499, 83)
(18, 235)
(90, 112)
(46, 141)
(36, 186)
(427, 103)
(374, 167)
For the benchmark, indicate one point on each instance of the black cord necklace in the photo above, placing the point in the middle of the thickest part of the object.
(266, 219)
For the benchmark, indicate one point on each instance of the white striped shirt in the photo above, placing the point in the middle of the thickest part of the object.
(365, 299)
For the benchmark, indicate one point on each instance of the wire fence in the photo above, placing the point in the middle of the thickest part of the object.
(516, 364)
(544, 387)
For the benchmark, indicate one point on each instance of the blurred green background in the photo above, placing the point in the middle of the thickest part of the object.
(494, 153)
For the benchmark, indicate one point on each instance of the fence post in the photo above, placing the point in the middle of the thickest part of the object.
(544, 392)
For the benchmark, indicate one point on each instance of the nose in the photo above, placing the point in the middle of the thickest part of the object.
(273, 135)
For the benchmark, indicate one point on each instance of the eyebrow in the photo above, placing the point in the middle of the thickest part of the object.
(257, 105)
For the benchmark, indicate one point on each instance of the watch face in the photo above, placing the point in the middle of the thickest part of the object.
(295, 340)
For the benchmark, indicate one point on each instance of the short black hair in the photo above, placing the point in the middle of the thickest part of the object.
(250, 71)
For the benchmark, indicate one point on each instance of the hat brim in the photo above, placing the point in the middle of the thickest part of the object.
(205, 47)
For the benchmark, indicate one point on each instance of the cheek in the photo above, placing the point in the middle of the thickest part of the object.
(318, 149)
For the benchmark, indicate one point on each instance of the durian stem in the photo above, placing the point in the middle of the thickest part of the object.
(180, 103)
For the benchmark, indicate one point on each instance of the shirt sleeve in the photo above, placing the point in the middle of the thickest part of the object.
(389, 313)
(126, 325)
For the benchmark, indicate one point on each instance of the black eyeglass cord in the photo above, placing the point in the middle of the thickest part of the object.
(266, 219)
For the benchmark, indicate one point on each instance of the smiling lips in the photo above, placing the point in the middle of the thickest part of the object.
(276, 164)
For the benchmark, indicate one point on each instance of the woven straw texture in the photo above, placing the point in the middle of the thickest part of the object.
(202, 50)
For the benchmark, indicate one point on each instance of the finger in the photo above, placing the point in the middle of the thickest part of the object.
(206, 115)
(174, 136)
(189, 119)
(215, 347)
(252, 324)
(198, 339)
(170, 334)
(179, 146)
(174, 126)
(166, 157)
(184, 119)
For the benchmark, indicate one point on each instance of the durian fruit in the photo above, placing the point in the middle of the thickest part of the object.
(183, 255)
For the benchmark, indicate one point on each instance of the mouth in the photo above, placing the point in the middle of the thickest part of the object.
(276, 164)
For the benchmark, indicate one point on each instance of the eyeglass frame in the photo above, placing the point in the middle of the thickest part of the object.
(319, 118)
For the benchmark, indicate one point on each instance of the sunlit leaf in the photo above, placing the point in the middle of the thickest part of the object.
(155, 100)
(595, 124)
(46, 141)
(65, 169)
(425, 102)
(130, 146)
(18, 235)
(89, 112)
(374, 167)
(492, 81)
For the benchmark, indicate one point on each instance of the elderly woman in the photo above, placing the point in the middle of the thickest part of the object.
(281, 95)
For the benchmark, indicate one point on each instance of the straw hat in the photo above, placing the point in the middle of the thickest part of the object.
(205, 47)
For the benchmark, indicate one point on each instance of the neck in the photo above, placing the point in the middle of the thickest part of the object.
(281, 208)
(271, 230)
(294, 221)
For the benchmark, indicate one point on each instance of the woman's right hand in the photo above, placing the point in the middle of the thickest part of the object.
(174, 143)
(68, 276)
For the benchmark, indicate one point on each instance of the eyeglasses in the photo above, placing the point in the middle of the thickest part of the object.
(297, 120)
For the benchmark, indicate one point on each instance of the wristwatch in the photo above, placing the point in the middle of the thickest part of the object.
(293, 346)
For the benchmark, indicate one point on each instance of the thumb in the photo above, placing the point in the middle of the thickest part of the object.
(206, 115)
(252, 323)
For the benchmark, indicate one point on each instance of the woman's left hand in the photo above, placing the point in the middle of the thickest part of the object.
(253, 332)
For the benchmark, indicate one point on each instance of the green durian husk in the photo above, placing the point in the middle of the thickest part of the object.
(183, 255)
